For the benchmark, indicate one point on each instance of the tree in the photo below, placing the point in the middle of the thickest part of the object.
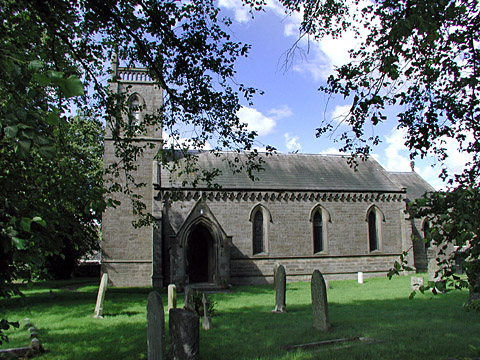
(421, 59)
(53, 59)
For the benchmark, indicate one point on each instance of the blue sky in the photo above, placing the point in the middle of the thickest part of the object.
(287, 115)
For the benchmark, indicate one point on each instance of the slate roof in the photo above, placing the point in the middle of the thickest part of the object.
(294, 172)
(416, 185)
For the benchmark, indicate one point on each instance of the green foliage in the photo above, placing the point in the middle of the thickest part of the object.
(453, 227)
(419, 59)
(52, 55)
(197, 298)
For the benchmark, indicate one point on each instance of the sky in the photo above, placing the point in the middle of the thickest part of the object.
(291, 109)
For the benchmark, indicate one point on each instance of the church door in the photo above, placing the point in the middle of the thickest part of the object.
(200, 255)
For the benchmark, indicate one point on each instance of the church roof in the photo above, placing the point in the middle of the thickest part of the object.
(415, 184)
(292, 172)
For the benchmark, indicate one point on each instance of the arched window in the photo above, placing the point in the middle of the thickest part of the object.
(135, 104)
(317, 232)
(258, 233)
(260, 218)
(320, 217)
(374, 218)
(372, 231)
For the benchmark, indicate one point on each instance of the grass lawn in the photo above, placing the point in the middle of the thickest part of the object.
(427, 327)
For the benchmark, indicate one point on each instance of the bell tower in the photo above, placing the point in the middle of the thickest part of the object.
(127, 252)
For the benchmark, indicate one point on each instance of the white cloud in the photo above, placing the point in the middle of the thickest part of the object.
(182, 142)
(331, 151)
(281, 112)
(291, 142)
(396, 154)
(240, 11)
(315, 64)
(339, 113)
(256, 121)
(456, 160)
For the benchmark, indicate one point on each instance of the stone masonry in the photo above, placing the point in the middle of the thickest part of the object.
(206, 235)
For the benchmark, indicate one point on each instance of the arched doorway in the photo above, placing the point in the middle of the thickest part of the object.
(200, 257)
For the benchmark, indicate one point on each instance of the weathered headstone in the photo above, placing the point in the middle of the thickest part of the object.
(319, 302)
(155, 327)
(184, 335)
(275, 268)
(280, 290)
(172, 297)
(189, 302)
(206, 319)
(416, 282)
(101, 297)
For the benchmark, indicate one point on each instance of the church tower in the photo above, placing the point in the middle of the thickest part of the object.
(127, 252)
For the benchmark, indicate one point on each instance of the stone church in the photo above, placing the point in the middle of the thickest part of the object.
(306, 212)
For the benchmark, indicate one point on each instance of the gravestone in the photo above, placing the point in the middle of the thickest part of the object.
(101, 297)
(319, 302)
(360, 277)
(206, 319)
(416, 282)
(280, 290)
(184, 335)
(155, 327)
(189, 303)
(275, 268)
(172, 297)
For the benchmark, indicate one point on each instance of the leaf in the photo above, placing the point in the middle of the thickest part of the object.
(20, 244)
(41, 79)
(24, 146)
(35, 65)
(70, 87)
(28, 133)
(53, 119)
(55, 75)
(47, 152)
(39, 221)
(11, 131)
(26, 223)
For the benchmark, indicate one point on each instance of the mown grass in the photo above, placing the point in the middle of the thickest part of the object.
(427, 327)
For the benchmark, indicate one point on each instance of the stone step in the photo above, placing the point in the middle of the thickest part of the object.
(207, 287)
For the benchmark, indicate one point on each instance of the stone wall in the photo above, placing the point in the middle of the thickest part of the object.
(126, 250)
(290, 232)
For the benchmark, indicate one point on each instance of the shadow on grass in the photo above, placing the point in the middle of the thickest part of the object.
(426, 327)
(123, 313)
(419, 329)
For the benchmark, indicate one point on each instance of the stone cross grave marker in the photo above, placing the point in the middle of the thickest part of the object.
(280, 290)
(319, 302)
(101, 297)
(155, 327)
(172, 297)
(416, 282)
(184, 335)
(206, 319)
